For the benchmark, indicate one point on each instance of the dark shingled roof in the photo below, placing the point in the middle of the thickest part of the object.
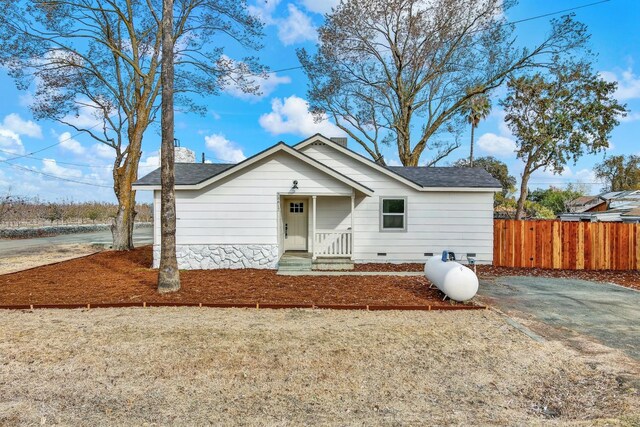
(187, 173)
(195, 173)
(447, 176)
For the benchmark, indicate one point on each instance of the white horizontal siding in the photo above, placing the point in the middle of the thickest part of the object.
(242, 208)
(458, 221)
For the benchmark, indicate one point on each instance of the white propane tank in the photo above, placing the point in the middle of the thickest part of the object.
(455, 280)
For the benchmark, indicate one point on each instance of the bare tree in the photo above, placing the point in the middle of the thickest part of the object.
(102, 58)
(399, 72)
(168, 273)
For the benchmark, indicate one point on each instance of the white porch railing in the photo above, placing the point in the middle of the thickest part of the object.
(332, 243)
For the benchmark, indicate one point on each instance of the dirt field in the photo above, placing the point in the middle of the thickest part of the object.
(124, 277)
(197, 366)
(42, 256)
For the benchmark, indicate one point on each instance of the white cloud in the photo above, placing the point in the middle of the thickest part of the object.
(223, 149)
(149, 164)
(87, 117)
(628, 83)
(103, 151)
(263, 10)
(586, 175)
(496, 145)
(503, 128)
(70, 144)
(12, 128)
(292, 116)
(26, 99)
(15, 123)
(10, 142)
(50, 166)
(296, 28)
(320, 6)
(631, 116)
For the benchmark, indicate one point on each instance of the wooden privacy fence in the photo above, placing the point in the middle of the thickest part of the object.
(566, 245)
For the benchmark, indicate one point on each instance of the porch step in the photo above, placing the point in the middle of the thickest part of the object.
(294, 264)
(332, 264)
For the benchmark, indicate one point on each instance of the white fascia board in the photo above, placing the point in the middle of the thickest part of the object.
(258, 157)
(146, 187)
(389, 173)
(358, 157)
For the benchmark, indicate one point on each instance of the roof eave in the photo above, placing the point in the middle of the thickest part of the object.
(281, 146)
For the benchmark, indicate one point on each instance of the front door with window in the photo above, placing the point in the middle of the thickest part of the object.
(296, 225)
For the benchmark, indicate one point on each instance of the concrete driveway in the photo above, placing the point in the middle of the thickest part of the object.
(607, 313)
(141, 236)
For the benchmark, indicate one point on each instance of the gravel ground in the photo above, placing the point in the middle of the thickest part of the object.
(628, 279)
(23, 260)
(187, 366)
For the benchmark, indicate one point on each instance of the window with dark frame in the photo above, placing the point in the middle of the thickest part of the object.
(296, 207)
(394, 214)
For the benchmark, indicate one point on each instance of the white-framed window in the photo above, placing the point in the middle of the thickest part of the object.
(393, 214)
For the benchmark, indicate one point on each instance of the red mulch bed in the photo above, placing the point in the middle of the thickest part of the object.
(377, 267)
(125, 277)
(629, 279)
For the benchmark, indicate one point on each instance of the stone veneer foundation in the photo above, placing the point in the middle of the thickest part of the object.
(210, 257)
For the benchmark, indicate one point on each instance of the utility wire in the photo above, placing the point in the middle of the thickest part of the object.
(53, 145)
(57, 161)
(55, 176)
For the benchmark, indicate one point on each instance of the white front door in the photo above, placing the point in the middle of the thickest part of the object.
(296, 214)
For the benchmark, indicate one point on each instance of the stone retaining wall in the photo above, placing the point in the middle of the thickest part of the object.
(210, 257)
(54, 230)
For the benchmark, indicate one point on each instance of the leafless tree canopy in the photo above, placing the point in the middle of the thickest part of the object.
(400, 71)
(103, 57)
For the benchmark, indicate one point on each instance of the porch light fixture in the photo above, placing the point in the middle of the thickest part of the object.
(295, 185)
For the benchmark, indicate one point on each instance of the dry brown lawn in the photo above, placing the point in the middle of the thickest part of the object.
(197, 366)
(43, 256)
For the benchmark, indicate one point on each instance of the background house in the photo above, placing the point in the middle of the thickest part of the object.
(614, 206)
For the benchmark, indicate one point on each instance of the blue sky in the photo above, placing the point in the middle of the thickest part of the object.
(237, 125)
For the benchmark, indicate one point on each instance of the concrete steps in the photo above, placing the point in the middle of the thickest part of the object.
(301, 262)
(294, 263)
(332, 264)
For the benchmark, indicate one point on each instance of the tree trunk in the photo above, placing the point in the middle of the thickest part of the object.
(123, 178)
(168, 274)
(523, 194)
(473, 128)
(409, 159)
(122, 224)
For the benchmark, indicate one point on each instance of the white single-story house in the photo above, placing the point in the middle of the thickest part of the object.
(321, 200)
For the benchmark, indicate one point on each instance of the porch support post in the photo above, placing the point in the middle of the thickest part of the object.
(353, 234)
(313, 228)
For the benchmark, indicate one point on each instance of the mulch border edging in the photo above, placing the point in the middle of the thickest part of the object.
(246, 305)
